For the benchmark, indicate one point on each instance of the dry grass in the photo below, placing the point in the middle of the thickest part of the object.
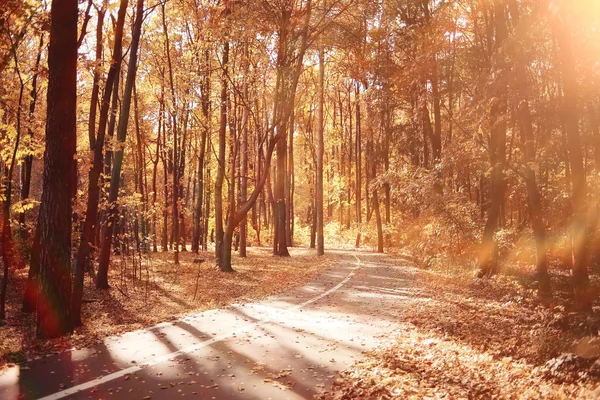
(161, 291)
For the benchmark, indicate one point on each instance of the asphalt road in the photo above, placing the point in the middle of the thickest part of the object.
(289, 346)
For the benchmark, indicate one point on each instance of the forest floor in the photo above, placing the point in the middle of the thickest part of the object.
(161, 292)
(460, 338)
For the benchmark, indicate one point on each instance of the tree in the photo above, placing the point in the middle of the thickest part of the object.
(9, 256)
(115, 180)
(60, 174)
(580, 227)
(497, 144)
(221, 244)
(320, 151)
(96, 146)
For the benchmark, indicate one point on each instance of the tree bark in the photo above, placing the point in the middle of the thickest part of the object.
(358, 153)
(320, 153)
(220, 254)
(60, 174)
(244, 158)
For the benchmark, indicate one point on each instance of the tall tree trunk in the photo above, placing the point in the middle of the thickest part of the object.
(154, 178)
(280, 217)
(198, 220)
(358, 153)
(498, 112)
(244, 157)
(102, 282)
(349, 169)
(60, 174)
(291, 182)
(533, 193)
(165, 239)
(9, 256)
(535, 204)
(28, 162)
(175, 170)
(140, 172)
(320, 152)
(96, 81)
(219, 240)
(84, 252)
(580, 226)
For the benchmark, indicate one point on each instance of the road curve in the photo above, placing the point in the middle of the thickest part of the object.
(288, 346)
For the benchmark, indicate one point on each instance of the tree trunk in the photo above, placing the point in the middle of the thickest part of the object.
(280, 217)
(320, 152)
(140, 173)
(498, 112)
(580, 225)
(154, 178)
(9, 257)
(176, 169)
(292, 181)
(358, 153)
(165, 239)
(28, 162)
(378, 221)
(535, 204)
(244, 159)
(60, 174)
(102, 282)
(96, 146)
(219, 241)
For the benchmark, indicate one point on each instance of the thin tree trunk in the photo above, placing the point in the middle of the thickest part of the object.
(28, 162)
(9, 257)
(358, 153)
(378, 221)
(244, 159)
(175, 170)
(320, 152)
(140, 173)
(219, 240)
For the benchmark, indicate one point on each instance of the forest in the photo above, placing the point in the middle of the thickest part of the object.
(162, 158)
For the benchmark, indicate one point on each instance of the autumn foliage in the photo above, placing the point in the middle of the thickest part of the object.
(459, 134)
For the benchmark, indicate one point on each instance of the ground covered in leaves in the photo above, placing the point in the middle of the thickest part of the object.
(460, 338)
(160, 291)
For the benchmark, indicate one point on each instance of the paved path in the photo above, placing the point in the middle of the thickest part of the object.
(286, 347)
